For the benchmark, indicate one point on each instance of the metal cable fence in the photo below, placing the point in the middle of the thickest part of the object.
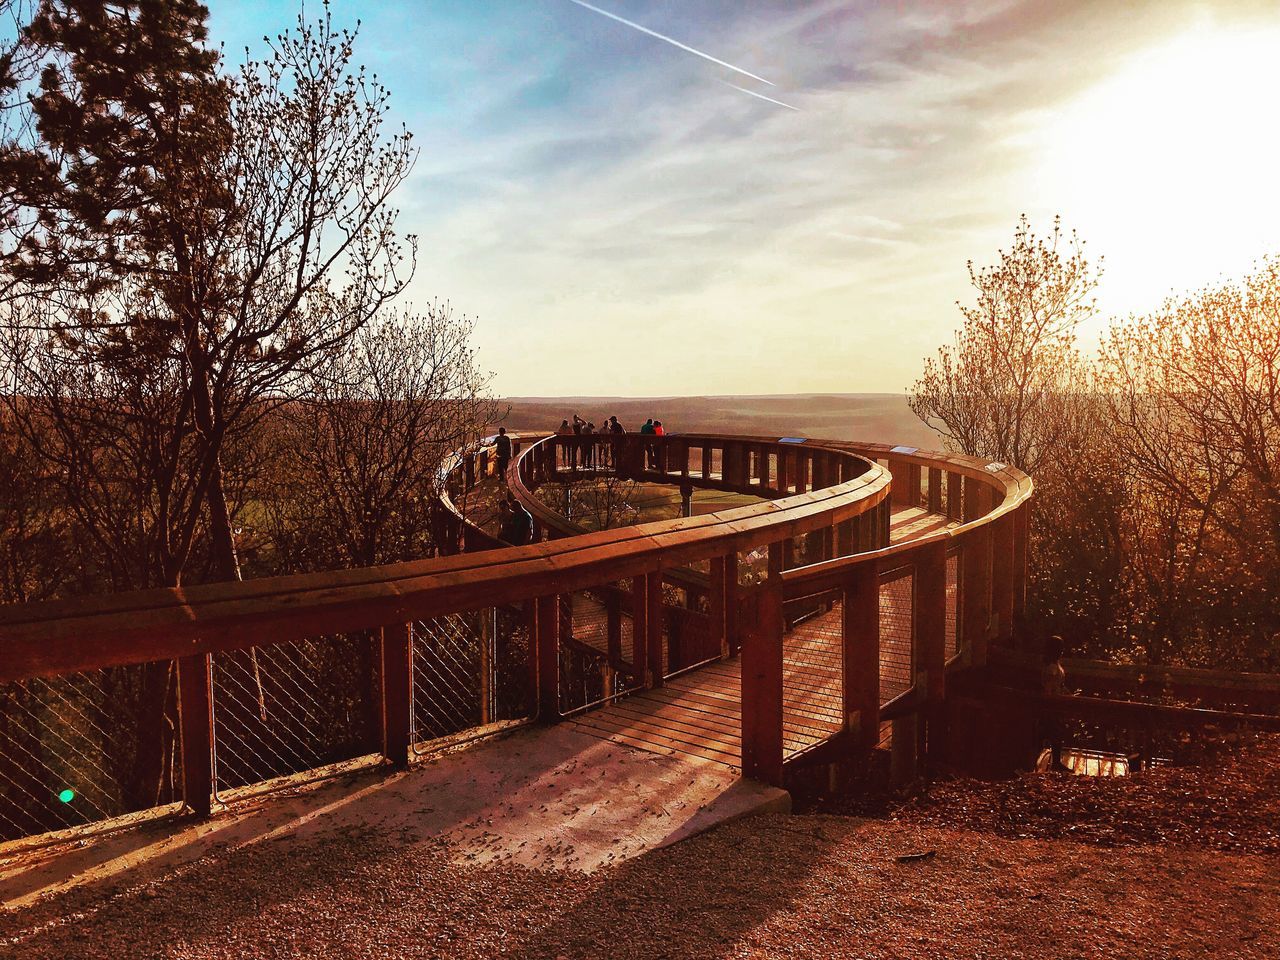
(812, 671)
(86, 747)
(470, 670)
(290, 707)
(598, 655)
(897, 634)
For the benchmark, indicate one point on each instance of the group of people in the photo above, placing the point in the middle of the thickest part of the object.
(588, 453)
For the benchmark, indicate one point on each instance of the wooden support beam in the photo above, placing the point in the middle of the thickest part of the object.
(613, 625)
(975, 589)
(488, 664)
(640, 628)
(732, 601)
(974, 502)
(845, 534)
(195, 712)
(861, 657)
(397, 688)
(718, 608)
(915, 494)
(1002, 578)
(931, 642)
(762, 750)
(955, 496)
(547, 644)
(900, 493)
(653, 601)
(1021, 531)
(935, 490)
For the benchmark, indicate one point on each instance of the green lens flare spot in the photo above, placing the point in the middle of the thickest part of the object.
(67, 795)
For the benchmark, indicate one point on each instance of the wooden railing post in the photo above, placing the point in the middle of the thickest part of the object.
(955, 496)
(547, 644)
(195, 711)
(762, 679)
(935, 490)
(1021, 532)
(488, 631)
(1002, 576)
(900, 485)
(718, 624)
(397, 688)
(931, 641)
(861, 658)
(653, 602)
(975, 600)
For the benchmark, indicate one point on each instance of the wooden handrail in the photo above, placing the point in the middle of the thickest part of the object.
(57, 637)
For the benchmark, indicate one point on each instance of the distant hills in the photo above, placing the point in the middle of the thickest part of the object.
(879, 417)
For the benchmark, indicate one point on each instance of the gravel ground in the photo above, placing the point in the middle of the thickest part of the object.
(1178, 863)
(812, 886)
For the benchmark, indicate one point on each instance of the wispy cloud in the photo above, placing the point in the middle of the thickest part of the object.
(675, 43)
(758, 96)
(621, 225)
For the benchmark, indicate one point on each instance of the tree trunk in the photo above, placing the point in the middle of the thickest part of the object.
(226, 563)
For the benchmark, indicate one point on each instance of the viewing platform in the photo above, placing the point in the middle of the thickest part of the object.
(742, 652)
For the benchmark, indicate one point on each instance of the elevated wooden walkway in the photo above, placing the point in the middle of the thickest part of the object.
(699, 713)
(757, 640)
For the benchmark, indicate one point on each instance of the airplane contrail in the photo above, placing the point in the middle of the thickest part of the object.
(759, 96)
(674, 43)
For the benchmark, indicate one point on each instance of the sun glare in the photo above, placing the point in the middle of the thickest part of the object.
(1168, 167)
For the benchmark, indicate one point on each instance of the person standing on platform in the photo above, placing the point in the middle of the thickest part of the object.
(649, 452)
(578, 424)
(502, 446)
(616, 433)
(506, 526)
(589, 446)
(521, 523)
(565, 443)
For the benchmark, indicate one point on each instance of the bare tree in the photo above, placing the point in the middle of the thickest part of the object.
(362, 448)
(1194, 392)
(1004, 388)
(228, 234)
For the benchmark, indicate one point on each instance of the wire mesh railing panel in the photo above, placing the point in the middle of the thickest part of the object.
(451, 659)
(290, 707)
(812, 671)
(470, 670)
(86, 747)
(953, 606)
(687, 640)
(598, 659)
(897, 635)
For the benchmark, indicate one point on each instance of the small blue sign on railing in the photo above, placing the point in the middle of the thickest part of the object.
(792, 440)
(904, 449)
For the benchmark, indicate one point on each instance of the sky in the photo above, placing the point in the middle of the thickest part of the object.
(627, 216)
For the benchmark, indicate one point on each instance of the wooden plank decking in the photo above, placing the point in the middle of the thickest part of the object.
(699, 713)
